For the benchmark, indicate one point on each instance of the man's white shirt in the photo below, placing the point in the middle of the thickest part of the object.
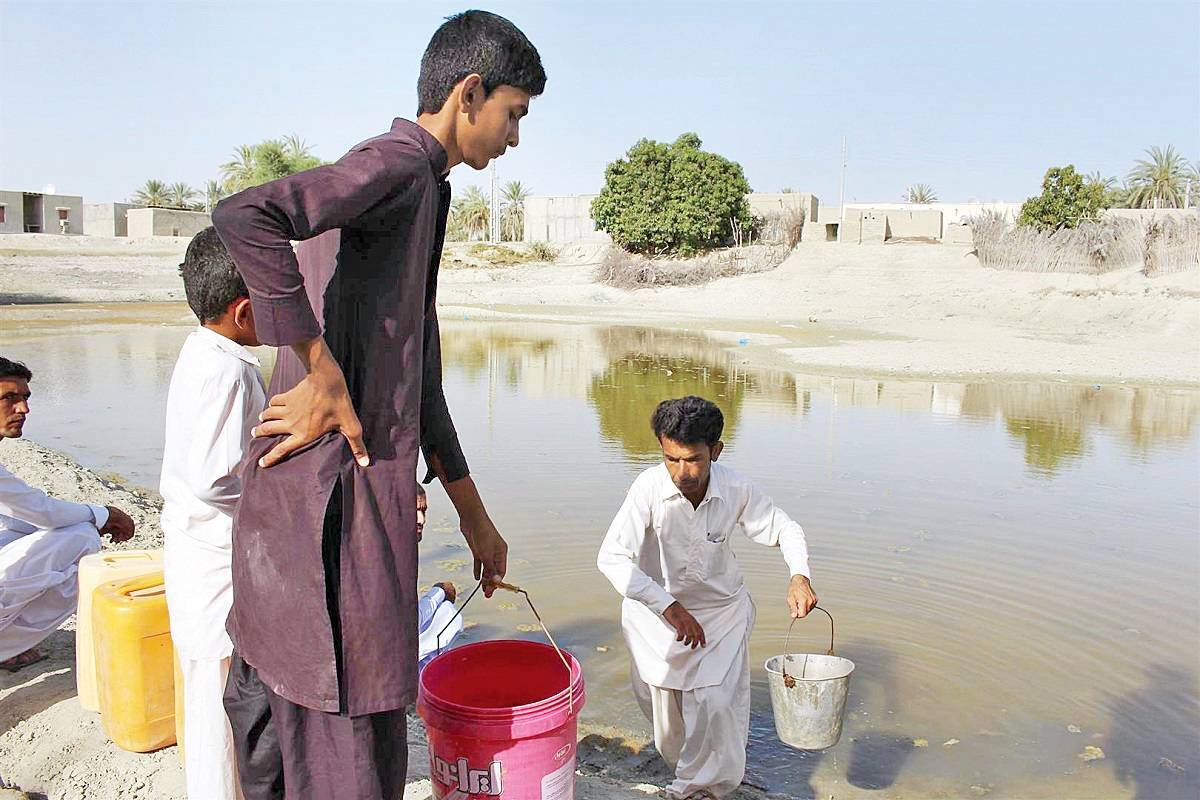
(659, 550)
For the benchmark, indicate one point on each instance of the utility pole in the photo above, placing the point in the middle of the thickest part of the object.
(494, 214)
(842, 189)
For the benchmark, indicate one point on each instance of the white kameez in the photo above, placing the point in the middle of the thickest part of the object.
(42, 540)
(659, 550)
(213, 402)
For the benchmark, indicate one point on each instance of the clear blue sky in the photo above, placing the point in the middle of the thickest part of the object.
(975, 98)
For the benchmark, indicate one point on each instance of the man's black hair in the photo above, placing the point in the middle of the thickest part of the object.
(477, 42)
(14, 369)
(210, 278)
(688, 420)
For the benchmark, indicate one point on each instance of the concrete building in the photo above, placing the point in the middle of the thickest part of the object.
(565, 219)
(106, 219)
(34, 212)
(568, 220)
(146, 222)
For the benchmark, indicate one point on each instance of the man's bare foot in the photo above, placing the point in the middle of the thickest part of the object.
(22, 660)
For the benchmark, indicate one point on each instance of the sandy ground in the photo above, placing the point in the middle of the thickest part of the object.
(51, 748)
(898, 309)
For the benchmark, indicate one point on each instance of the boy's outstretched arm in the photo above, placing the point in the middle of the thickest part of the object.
(257, 226)
(767, 524)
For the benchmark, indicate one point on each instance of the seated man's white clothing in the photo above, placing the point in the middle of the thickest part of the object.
(42, 540)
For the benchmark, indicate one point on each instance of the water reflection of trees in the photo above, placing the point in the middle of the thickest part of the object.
(647, 366)
(1052, 420)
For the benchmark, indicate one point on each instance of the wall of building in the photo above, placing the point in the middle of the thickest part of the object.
(562, 220)
(106, 219)
(952, 213)
(568, 220)
(145, 222)
(14, 212)
(73, 204)
(764, 204)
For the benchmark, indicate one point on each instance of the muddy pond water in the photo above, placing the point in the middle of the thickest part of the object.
(1014, 566)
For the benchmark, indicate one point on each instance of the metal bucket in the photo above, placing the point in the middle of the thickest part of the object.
(808, 694)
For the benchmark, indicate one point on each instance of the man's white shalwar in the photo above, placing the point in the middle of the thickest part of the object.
(42, 540)
(213, 402)
(660, 550)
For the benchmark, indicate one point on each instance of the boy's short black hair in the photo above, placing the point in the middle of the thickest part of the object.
(477, 42)
(688, 420)
(210, 278)
(14, 369)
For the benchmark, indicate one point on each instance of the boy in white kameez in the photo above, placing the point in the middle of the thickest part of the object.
(687, 616)
(215, 398)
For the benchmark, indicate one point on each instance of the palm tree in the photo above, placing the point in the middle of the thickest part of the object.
(1159, 182)
(512, 214)
(213, 192)
(181, 195)
(921, 193)
(153, 194)
(238, 173)
(296, 148)
(472, 211)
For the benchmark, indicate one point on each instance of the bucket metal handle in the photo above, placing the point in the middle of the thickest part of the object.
(518, 590)
(788, 680)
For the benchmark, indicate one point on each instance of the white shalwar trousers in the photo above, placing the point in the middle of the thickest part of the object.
(39, 583)
(208, 761)
(702, 733)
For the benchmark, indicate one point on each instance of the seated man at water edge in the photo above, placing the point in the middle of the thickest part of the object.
(215, 397)
(42, 540)
(686, 614)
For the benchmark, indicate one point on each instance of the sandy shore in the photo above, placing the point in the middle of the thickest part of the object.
(899, 309)
(50, 747)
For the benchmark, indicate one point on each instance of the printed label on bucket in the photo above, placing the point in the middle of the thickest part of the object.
(464, 781)
(560, 784)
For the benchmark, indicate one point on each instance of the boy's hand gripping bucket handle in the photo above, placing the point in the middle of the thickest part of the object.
(518, 590)
(788, 680)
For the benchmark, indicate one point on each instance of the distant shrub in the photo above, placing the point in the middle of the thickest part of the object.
(672, 199)
(499, 255)
(1067, 201)
(634, 271)
(543, 251)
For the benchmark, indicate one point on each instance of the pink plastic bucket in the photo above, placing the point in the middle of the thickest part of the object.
(501, 721)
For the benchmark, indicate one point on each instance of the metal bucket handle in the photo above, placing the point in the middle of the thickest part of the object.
(518, 590)
(788, 680)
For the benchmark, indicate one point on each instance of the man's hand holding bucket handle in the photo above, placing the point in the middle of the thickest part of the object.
(687, 629)
(800, 597)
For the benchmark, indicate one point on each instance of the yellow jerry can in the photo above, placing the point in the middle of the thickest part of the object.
(135, 662)
(94, 570)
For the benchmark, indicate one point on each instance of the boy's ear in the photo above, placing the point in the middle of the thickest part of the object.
(470, 93)
(715, 452)
(240, 311)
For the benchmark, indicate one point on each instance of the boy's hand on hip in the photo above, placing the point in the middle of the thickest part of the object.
(119, 527)
(801, 598)
(687, 629)
(489, 549)
(320, 403)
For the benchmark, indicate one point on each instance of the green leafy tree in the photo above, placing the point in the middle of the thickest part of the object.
(1067, 199)
(1159, 182)
(672, 198)
(512, 211)
(921, 193)
(152, 194)
(471, 214)
(253, 165)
